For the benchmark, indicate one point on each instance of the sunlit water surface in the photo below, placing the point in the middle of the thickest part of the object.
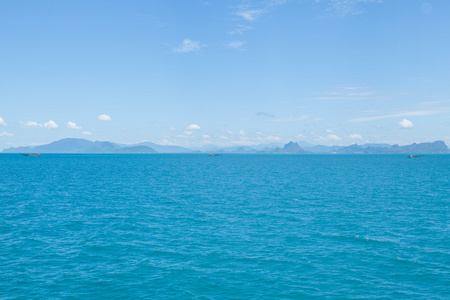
(189, 226)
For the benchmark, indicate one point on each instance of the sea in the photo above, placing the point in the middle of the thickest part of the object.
(233, 226)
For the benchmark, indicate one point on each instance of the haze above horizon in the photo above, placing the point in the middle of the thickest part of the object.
(192, 73)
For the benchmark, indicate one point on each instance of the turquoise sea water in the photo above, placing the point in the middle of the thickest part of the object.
(189, 226)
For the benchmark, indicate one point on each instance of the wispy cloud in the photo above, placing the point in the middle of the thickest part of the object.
(235, 44)
(355, 136)
(104, 117)
(329, 137)
(349, 93)
(397, 115)
(86, 133)
(31, 124)
(264, 114)
(250, 14)
(240, 29)
(4, 133)
(2, 122)
(289, 119)
(188, 45)
(228, 132)
(273, 138)
(344, 8)
(333, 137)
(272, 118)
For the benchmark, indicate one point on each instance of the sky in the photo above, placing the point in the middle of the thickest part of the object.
(235, 72)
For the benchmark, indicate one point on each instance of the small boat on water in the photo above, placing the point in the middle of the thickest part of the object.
(31, 154)
(213, 154)
(414, 156)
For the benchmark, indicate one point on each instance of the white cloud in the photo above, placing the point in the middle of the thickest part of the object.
(86, 133)
(73, 125)
(50, 125)
(188, 132)
(273, 138)
(4, 133)
(205, 136)
(2, 122)
(172, 128)
(188, 46)
(299, 136)
(334, 137)
(355, 136)
(329, 131)
(228, 132)
(250, 14)
(405, 123)
(193, 127)
(31, 124)
(104, 117)
(235, 44)
(242, 132)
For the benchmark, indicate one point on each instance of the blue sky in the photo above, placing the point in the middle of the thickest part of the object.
(231, 72)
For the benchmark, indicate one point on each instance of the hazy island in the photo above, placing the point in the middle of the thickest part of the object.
(72, 145)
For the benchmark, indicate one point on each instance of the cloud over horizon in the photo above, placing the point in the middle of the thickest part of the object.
(333, 137)
(2, 122)
(4, 133)
(355, 136)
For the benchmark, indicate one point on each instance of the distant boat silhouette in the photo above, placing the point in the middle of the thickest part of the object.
(414, 156)
(213, 154)
(31, 154)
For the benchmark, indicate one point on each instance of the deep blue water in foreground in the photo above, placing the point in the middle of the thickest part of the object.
(189, 226)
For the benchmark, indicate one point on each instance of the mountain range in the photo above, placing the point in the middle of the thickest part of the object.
(71, 145)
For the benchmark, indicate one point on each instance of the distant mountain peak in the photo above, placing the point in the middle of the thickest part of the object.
(292, 147)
